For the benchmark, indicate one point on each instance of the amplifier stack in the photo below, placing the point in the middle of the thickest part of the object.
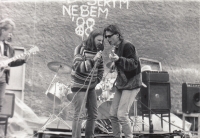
(157, 93)
(190, 98)
(156, 98)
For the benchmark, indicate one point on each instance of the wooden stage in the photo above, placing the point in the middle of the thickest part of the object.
(64, 133)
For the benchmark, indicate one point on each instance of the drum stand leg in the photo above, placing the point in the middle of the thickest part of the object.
(54, 90)
(53, 118)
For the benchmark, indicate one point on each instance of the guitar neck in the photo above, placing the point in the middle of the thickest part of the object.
(16, 57)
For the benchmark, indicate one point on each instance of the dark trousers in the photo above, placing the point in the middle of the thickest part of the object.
(91, 114)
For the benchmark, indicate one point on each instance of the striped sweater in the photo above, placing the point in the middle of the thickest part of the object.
(82, 69)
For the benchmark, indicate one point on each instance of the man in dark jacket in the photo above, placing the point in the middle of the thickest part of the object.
(6, 51)
(128, 82)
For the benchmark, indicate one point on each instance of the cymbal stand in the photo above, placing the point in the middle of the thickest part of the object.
(53, 115)
(55, 87)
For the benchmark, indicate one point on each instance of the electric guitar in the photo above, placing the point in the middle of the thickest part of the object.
(4, 61)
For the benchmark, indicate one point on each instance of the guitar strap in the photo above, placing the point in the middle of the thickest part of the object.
(1, 48)
(5, 50)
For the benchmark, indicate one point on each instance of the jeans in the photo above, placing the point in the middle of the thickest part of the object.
(119, 112)
(92, 113)
(2, 89)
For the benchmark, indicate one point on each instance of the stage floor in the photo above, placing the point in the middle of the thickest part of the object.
(64, 133)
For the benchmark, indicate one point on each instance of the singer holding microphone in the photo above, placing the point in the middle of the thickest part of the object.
(128, 82)
(87, 72)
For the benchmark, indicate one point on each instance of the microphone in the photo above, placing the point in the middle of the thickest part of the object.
(113, 52)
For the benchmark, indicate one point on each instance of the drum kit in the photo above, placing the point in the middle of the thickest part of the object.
(56, 91)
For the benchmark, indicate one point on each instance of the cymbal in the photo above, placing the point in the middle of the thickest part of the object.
(59, 67)
(108, 65)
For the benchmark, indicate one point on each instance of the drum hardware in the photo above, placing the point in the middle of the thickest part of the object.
(70, 96)
(104, 125)
(135, 122)
(52, 93)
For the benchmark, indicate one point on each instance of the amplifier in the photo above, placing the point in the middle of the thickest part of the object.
(190, 98)
(155, 76)
(156, 96)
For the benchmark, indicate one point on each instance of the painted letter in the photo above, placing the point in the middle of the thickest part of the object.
(106, 2)
(68, 10)
(93, 10)
(99, 2)
(103, 11)
(84, 9)
(74, 9)
(124, 1)
(90, 2)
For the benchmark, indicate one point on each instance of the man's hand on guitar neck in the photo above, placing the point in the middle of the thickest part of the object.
(4, 66)
(26, 58)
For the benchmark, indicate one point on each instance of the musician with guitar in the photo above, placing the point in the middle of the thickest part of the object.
(6, 52)
(125, 61)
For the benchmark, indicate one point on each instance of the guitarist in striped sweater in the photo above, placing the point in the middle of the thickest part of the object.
(6, 51)
(87, 67)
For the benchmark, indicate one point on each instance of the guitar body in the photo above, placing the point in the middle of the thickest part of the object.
(3, 64)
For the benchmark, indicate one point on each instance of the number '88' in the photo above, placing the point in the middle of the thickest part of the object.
(84, 27)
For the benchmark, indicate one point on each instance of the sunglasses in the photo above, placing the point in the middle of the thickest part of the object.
(109, 36)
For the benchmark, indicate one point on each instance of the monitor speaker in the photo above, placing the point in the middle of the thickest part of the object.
(8, 105)
(190, 98)
(156, 96)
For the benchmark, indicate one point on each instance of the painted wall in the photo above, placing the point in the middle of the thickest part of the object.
(163, 31)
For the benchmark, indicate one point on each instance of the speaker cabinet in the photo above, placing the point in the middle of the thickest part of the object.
(8, 105)
(156, 96)
(190, 98)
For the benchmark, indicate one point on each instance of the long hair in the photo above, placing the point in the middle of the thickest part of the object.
(89, 42)
(5, 24)
(113, 29)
